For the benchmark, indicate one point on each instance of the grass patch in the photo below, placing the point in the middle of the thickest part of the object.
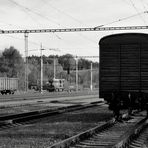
(53, 129)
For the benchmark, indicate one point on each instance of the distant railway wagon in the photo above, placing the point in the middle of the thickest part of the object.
(59, 84)
(124, 66)
(8, 85)
(55, 85)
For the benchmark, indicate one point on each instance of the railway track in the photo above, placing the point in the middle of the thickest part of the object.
(141, 139)
(9, 108)
(112, 134)
(36, 96)
(24, 118)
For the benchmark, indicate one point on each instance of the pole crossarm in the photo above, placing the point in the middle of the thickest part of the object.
(73, 29)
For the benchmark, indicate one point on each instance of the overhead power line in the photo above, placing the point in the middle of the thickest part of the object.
(143, 5)
(63, 12)
(34, 12)
(53, 49)
(71, 17)
(122, 19)
(26, 10)
(137, 11)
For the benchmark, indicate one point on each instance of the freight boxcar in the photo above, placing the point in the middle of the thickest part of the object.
(8, 85)
(124, 66)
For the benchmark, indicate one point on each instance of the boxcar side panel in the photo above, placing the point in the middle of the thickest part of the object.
(123, 64)
(13, 83)
(129, 67)
(8, 83)
(144, 68)
(109, 68)
(1, 83)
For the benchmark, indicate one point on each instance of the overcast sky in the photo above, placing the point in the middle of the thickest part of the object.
(41, 14)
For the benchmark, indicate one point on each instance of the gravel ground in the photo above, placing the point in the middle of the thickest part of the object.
(47, 131)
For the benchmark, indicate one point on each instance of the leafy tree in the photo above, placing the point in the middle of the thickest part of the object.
(33, 70)
(12, 62)
(67, 61)
(84, 64)
(49, 69)
(12, 65)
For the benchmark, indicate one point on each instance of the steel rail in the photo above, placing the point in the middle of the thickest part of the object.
(111, 134)
(18, 119)
(139, 138)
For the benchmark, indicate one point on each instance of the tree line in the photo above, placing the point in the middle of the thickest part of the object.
(12, 64)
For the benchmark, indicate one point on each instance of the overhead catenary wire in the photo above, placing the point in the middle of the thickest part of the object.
(28, 9)
(34, 12)
(59, 38)
(32, 42)
(146, 3)
(19, 38)
(71, 17)
(45, 17)
(143, 5)
(126, 1)
(122, 19)
(39, 14)
(132, 3)
(10, 24)
(63, 12)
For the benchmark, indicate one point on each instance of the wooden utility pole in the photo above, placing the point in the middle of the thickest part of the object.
(41, 69)
(77, 73)
(91, 85)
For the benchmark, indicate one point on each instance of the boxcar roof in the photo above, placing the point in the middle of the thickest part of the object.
(125, 38)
